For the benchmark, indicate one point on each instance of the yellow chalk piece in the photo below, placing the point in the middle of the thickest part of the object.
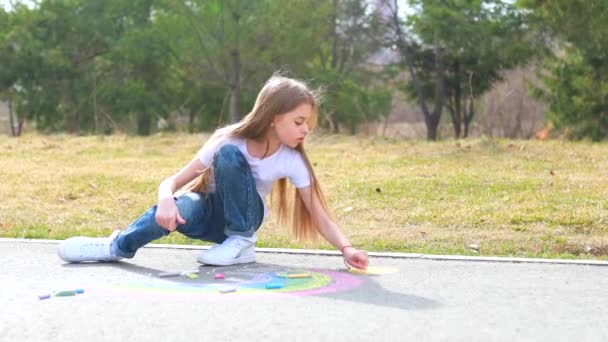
(298, 275)
(374, 270)
(192, 276)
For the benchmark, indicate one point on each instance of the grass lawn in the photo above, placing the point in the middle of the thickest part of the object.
(509, 198)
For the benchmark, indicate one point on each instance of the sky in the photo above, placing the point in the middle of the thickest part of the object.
(7, 3)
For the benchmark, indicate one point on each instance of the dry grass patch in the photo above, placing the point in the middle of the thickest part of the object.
(520, 198)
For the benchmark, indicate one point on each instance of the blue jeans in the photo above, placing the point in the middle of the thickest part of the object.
(234, 208)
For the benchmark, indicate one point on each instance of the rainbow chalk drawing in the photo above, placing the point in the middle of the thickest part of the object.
(245, 282)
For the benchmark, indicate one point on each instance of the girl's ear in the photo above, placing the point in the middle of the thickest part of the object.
(275, 120)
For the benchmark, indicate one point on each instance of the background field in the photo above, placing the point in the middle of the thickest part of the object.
(480, 197)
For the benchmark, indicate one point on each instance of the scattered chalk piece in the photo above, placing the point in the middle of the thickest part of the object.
(227, 289)
(175, 274)
(298, 275)
(65, 293)
(192, 276)
(292, 275)
(274, 285)
(219, 276)
(79, 291)
(168, 274)
(44, 296)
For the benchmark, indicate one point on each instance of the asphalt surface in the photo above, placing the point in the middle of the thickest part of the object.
(413, 300)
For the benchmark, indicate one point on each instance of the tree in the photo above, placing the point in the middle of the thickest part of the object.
(400, 37)
(455, 51)
(574, 82)
(478, 39)
(355, 92)
(238, 44)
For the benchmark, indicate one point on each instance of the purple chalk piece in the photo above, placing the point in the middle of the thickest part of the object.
(44, 296)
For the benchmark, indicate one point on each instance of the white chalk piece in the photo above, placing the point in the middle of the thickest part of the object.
(168, 274)
(227, 289)
(175, 274)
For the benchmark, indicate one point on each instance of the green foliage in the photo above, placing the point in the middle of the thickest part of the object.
(476, 39)
(575, 84)
(353, 94)
(100, 66)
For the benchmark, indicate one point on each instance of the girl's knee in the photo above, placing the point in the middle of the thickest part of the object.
(228, 155)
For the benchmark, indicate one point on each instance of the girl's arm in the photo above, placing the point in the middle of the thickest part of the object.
(167, 214)
(330, 231)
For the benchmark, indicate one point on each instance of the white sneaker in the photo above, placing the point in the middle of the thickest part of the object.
(79, 249)
(234, 250)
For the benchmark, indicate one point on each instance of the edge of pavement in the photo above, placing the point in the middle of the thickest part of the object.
(589, 262)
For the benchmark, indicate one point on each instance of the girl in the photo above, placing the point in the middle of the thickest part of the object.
(240, 164)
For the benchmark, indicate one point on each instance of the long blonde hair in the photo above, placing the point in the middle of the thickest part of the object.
(279, 95)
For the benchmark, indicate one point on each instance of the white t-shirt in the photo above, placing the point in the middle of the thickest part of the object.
(285, 162)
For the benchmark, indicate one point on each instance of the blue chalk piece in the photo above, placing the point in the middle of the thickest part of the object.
(44, 296)
(79, 291)
(274, 285)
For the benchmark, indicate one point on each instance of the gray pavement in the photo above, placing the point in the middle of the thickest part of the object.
(416, 300)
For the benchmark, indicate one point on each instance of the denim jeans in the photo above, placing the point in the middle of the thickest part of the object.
(234, 208)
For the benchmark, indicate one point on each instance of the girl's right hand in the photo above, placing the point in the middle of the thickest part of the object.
(167, 214)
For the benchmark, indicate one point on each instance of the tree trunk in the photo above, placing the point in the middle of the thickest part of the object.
(235, 87)
(457, 112)
(144, 124)
(15, 129)
(95, 116)
(147, 70)
(431, 119)
(432, 123)
(235, 82)
(468, 117)
(334, 34)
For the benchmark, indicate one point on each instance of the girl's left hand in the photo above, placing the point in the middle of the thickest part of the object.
(356, 258)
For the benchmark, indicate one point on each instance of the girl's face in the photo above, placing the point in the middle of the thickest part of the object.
(292, 127)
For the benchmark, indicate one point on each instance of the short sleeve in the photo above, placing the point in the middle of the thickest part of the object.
(298, 173)
(205, 154)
